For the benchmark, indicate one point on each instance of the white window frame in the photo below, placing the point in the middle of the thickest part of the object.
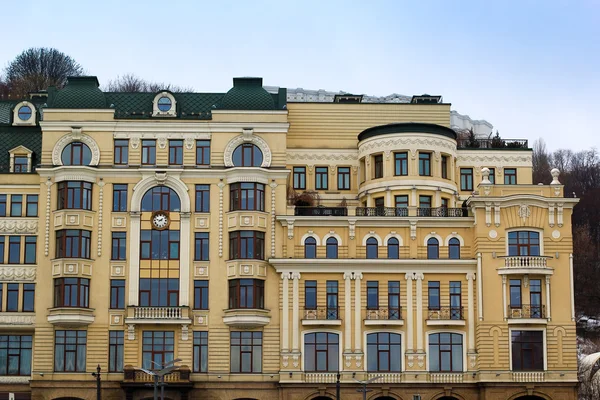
(18, 121)
(172, 112)
(21, 151)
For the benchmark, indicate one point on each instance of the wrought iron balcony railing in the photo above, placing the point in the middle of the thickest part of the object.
(492, 143)
(446, 313)
(381, 212)
(322, 313)
(321, 211)
(527, 311)
(411, 212)
(442, 212)
(385, 313)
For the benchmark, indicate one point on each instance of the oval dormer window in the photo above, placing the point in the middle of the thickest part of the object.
(164, 104)
(76, 153)
(24, 113)
(247, 155)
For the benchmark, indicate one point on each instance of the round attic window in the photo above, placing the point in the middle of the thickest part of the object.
(164, 104)
(24, 113)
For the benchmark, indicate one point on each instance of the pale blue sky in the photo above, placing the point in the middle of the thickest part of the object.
(529, 67)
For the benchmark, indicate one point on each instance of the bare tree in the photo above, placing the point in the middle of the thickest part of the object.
(541, 162)
(131, 83)
(38, 68)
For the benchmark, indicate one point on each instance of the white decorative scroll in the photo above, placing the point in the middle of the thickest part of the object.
(75, 136)
(551, 214)
(273, 185)
(221, 187)
(47, 233)
(497, 214)
(245, 138)
(100, 213)
(413, 230)
(184, 332)
(16, 319)
(560, 215)
(488, 214)
(290, 226)
(352, 228)
(131, 332)
(18, 226)
(17, 273)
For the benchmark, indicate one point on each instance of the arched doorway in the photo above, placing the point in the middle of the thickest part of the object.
(529, 398)
(385, 398)
(321, 398)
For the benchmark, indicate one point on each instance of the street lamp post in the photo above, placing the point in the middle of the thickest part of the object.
(159, 376)
(364, 384)
(337, 386)
(98, 382)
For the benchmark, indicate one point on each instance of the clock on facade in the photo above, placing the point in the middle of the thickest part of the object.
(160, 220)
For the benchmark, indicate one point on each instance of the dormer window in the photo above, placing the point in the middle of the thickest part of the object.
(20, 160)
(21, 164)
(24, 114)
(165, 105)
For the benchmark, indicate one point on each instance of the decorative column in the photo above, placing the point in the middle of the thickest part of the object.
(134, 257)
(285, 323)
(388, 198)
(184, 261)
(273, 185)
(347, 312)
(471, 304)
(504, 306)
(548, 313)
(295, 317)
(419, 277)
(100, 214)
(409, 312)
(479, 288)
(221, 185)
(357, 311)
(47, 233)
(572, 287)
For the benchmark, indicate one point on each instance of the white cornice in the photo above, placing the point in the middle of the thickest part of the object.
(266, 112)
(401, 183)
(79, 110)
(519, 199)
(326, 156)
(494, 158)
(400, 222)
(159, 126)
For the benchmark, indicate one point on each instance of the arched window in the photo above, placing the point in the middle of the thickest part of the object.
(332, 248)
(76, 153)
(433, 249)
(310, 248)
(161, 198)
(372, 248)
(393, 248)
(454, 249)
(247, 155)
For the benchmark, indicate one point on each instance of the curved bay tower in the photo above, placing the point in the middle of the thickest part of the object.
(276, 248)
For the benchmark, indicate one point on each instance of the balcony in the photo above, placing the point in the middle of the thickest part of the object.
(384, 316)
(386, 377)
(158, 315)
(446, 377)
(320, 377)
(492, 143)
(528, 376)
(246, 318)
(322, 316)
(381, 212)
(527, 314)
(321, 211)
(71, 316)
(446, 316)
(411, 212)
(525, 265)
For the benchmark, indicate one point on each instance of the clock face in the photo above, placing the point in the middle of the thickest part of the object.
(160, 220)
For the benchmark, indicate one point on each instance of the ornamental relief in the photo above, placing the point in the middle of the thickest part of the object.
(18, 226)
(412, 143)
(317, 156)
(17, 273)
(75, 136)
(247, 137)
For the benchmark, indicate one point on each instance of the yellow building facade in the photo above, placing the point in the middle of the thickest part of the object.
(277, 249)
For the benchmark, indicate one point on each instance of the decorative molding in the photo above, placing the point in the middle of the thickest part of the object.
(14, 379)
(17, 273)
(524, 212)
(47, 233)
(352, 228)
(17, 121)
(18, 226)
(273, 185)
(407, 142)
(184, 332)
(221, 186)
(75, 136)
(247, 138)
(100, 213)
(494, 158)
(320, 156)
(189, 142)
(16, 319)
(131, 332)
(153, 179)
(171, 112)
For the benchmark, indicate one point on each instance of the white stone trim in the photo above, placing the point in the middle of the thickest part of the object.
(454, 235)
(464, 345)
(545, 345)
(160, 179)
(312, 235)
(498, 159)
(332, 234)
(75, 136)
(17, 273)
(20, 151)
(372, 235)
(407, 142)
(18, 226)
(320, 156)
(393, 235)
(247, 137)
(172, 112)
(18, 121)
(433, 235)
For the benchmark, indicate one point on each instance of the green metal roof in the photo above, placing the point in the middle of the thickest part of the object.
(247, 94)
(80, 92)
(13, 136)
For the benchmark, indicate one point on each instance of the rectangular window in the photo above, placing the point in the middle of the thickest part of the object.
(115, 351)
(117, 294)
(2, 205)
(121, 151)
(455, 301)
(300, 178)
(2, 242)
(15, 355)
(445, 352)
(379, 202)
(32, 205)
(28, 297)
(148, 152)
(434, 295)
(1, 294)
(16, 205)
(202, 152)
(175, 152)
(332, 300)
(535, 298)
(466, 179)
(30, 249)
(74, 195)
(119, 242)
(425, 201)
(21, 164)
(72, 292)
(527, 350)
(200, 351)
(247, 196)
(444, 202)
(159, 292)
(119, 197)
(425, 164)
(444, 167)
(73, 243)
(203, 198)
(510, 176)
(343, 178)
(378, 166)
(394, 300)
(523, 243)
(310, 295)
(515, 293)
(159, 245)
(12, 297)
(201, 246)
(492, 177)
(200, 295)
(384, 352)
(372, 295)
(158, 348)
(70, 351)
(401, 201)
(246, 352)
(246, 245)
(246, 293)
(400, 164)
(14, 249)
(321, 174)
